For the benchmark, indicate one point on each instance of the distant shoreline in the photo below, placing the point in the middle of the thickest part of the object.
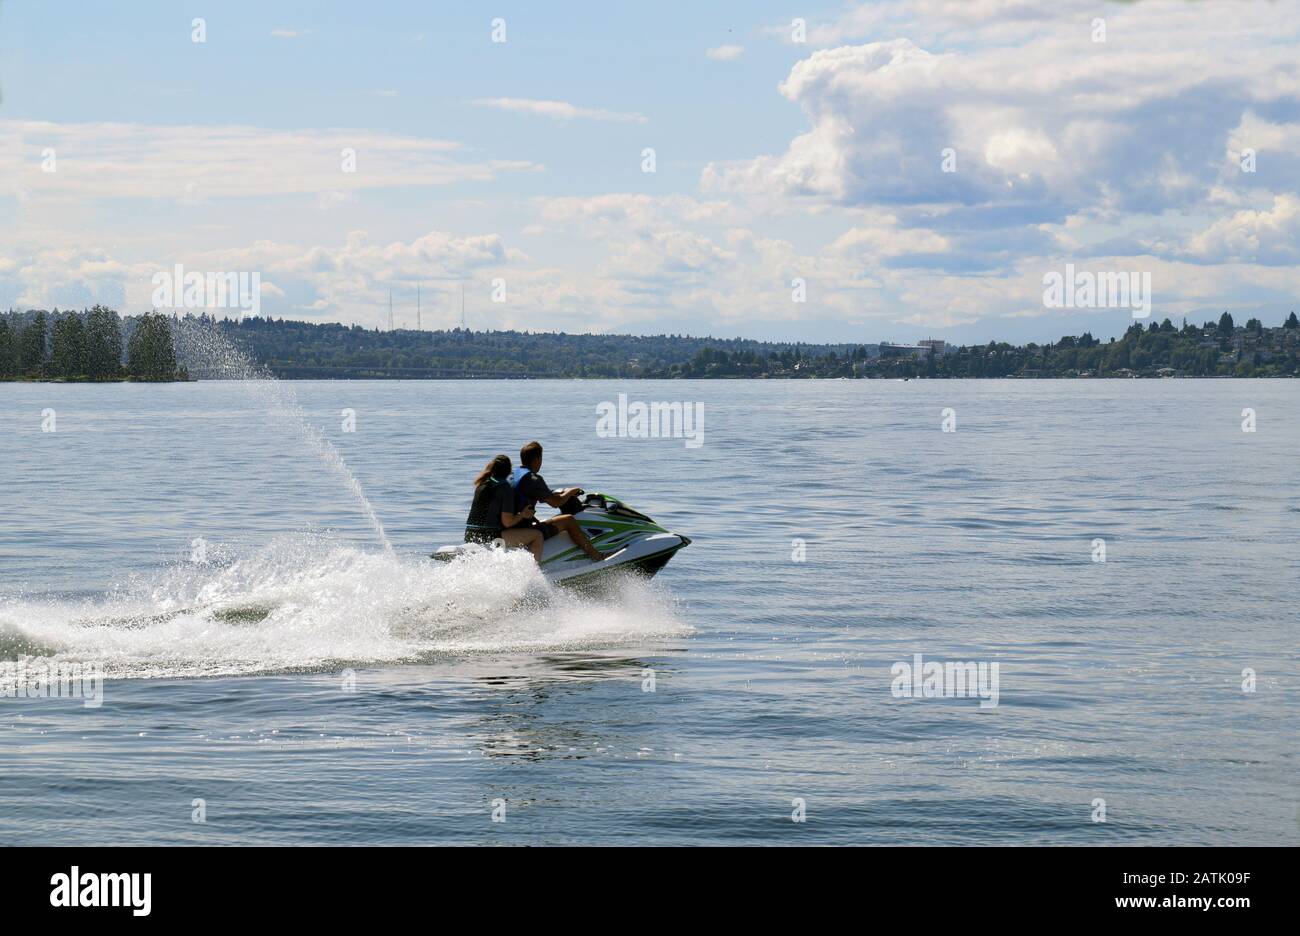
(74, 346)
(291, 349)
(93, 380)
(554, 378)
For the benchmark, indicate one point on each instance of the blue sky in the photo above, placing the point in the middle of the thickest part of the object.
(518, 164)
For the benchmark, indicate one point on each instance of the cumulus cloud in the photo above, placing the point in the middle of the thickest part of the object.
(66, 275)
(856, 151)
(648, 269)
(1256, 133)
(340, 282)
(1269, 236)
(883, 237)
(1034, 112)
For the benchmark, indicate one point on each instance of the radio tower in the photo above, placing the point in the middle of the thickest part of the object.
(462, 305)
(417, 308)
(390, 308)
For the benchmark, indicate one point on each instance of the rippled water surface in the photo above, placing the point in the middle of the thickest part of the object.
(223, 572)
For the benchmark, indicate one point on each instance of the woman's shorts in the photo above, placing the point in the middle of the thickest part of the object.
(486, 537)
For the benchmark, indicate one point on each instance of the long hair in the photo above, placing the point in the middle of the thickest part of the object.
(498, 468)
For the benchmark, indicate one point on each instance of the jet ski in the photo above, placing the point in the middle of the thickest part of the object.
(638, 544)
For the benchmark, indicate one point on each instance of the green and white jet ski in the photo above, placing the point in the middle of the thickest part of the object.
(638, 544)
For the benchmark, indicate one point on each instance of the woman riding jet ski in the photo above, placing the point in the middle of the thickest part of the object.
(493, 514)
(592, 536)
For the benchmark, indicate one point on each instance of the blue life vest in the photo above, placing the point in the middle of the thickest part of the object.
(518, 475)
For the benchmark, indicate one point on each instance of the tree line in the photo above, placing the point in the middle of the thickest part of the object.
(295, 349)
(291, 348)
(1215, 349)
(87, 346)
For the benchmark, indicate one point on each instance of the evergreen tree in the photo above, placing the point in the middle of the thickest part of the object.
(1292, 321)
(32, 356)
(150, 352)
(8, 351)
(103, 344)
(68, 357)
(1225, 324)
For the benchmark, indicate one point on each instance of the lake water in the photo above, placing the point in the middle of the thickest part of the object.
(192, 543)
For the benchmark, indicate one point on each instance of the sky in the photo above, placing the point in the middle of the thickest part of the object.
(847, 172)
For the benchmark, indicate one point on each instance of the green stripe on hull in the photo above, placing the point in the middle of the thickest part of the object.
(645, 565)
(616, 534)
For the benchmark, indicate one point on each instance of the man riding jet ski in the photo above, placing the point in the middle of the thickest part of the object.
(530, 487)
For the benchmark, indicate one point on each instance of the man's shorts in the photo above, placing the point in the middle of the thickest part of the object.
(548, 529)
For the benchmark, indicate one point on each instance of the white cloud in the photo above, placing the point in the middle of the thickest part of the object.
(883, 237)
(1254, 132)
(1122, 155)
(868, 134)
(1019, 152)
(328, 201)
(598, 214)
(343, 282)
(1270, 236)
(725, 53)
(1044, 122)
(556, 110)
(119, 160)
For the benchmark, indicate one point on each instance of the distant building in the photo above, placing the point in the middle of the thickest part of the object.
(890, 349)
(919, 351)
